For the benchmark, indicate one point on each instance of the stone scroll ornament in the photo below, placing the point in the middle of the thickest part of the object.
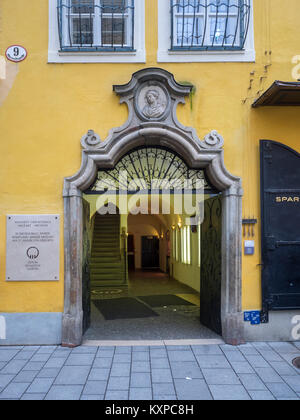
(90, 140)
(213, 140)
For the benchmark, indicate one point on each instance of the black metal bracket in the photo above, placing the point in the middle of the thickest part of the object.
(250, 224)
(249, 221)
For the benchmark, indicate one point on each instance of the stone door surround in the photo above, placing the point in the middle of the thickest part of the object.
(152, 97)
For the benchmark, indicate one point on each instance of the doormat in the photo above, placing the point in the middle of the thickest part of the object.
(123, 308)
(159, 301)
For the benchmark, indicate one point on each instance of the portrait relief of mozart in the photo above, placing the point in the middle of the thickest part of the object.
(154, 106)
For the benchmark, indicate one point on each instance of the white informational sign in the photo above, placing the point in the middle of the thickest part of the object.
(16, 53)
(249, 247)
(32, 248)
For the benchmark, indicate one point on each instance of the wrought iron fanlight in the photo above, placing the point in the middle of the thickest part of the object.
(148, 169)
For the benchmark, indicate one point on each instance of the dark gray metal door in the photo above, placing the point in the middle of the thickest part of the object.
(86, 253)
(211, 265)
(280, 204)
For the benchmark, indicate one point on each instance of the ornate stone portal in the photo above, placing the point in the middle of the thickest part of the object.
(152, 97)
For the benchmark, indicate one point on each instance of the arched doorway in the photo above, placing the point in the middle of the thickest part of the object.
(157, 192)
(163, 132)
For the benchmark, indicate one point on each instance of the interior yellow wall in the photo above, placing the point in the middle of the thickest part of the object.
(188, 274)
(46, 108)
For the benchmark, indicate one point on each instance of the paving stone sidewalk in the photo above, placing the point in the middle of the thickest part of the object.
(257, 371)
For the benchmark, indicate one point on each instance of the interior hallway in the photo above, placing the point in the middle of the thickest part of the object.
(170, 322)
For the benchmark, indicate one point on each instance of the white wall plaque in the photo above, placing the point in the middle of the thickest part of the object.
(32, 248)
(16, 53)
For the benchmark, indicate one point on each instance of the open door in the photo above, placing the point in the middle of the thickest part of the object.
(211, 265)
(280, 200)
(150, 252)
(86, 253)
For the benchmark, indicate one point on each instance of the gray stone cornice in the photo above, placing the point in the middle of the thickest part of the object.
(108, 153)
(152, 74)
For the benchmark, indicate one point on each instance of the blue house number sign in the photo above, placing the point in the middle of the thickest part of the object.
(16, 53)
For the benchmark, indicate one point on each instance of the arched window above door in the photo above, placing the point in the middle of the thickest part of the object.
(150, 168)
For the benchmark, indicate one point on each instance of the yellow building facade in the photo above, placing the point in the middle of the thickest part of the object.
(51, 99)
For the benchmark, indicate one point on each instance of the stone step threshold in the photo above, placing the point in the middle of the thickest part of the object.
(135, 343)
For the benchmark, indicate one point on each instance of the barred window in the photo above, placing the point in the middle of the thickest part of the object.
(92, 25)
(210, 24)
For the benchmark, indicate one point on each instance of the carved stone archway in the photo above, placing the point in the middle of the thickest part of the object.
(153, 122)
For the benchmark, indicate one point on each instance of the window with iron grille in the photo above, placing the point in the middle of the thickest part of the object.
(209, 24)
(96, 25)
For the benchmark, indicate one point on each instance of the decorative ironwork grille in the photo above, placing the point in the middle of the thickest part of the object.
(92, 25)
(210, 24)
(149, 169)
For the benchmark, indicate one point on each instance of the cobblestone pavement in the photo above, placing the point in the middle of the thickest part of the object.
(258, 371)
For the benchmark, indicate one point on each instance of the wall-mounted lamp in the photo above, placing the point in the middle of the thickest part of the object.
(179, 225)
(124, 233)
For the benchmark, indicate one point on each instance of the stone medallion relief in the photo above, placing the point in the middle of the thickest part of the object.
(152, 102)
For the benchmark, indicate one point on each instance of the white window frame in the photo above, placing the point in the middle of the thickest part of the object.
(189, 246)
(136, 56)
(186, 245)
(164, 54)
(182, 244)
(177, 240)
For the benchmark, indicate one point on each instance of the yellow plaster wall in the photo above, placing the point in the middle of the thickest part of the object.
(48, 107)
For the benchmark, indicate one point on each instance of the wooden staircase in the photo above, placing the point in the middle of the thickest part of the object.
(107, 264)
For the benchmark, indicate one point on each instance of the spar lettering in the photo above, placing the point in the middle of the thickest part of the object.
(287, 199)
